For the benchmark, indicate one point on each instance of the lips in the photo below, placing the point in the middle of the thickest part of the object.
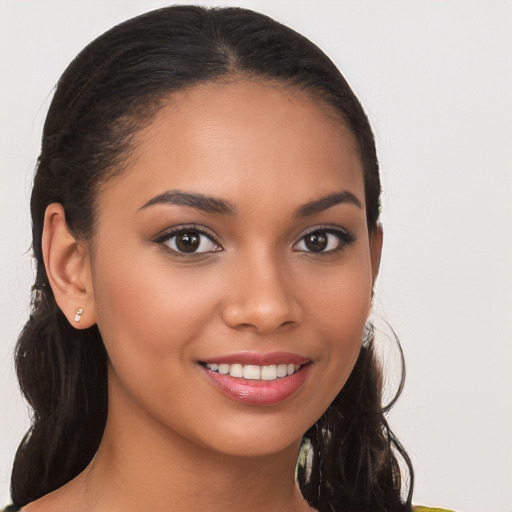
(257, 379)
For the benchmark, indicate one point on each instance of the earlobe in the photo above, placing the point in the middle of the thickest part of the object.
(67, 266)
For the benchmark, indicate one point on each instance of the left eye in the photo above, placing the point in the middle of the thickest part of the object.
(322, 241)
(190, 241)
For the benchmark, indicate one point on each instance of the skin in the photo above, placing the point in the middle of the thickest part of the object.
(173, 441)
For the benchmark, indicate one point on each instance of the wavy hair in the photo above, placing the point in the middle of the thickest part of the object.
(111, 90)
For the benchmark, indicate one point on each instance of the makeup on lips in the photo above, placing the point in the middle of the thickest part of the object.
(257, 379)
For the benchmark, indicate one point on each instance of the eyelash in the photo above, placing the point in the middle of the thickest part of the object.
(345, 239)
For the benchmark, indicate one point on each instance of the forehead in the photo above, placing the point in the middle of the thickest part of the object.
(241, 140)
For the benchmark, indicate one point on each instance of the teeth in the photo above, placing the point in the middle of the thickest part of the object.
(269, 372)
(254, 372)
(251, 372)
(222, 368)
(281, 370)
(236, 370)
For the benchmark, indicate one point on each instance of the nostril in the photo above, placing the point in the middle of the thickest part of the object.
(262, 307)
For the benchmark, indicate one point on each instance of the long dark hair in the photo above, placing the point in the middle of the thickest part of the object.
(111, 89)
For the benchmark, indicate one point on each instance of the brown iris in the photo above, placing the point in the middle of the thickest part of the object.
(187, 241)
(316, 241)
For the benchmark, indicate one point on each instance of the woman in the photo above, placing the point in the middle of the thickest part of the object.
(205, 224)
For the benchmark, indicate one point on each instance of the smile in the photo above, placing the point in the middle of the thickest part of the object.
(255, 372)
(258, 379)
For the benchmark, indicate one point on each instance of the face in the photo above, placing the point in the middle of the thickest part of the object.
(232, 268)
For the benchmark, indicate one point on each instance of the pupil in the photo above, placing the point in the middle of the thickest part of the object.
(187, 242)
(316, 242)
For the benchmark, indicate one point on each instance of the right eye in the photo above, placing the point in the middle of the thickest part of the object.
(189, 241)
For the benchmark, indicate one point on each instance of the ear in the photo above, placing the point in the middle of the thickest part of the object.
(68, 269)
(376, 240)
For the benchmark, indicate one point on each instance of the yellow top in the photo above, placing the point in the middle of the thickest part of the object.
(428, 509)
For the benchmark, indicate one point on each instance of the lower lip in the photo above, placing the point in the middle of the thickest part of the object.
(258, 392)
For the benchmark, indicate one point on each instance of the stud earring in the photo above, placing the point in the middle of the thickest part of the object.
(78, 314)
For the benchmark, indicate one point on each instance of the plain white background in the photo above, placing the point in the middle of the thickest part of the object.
(435, 78)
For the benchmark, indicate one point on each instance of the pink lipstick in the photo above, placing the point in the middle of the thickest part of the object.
(256, 378)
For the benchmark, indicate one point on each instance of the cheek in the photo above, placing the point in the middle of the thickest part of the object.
(150, 318)
(342, 298)
(147, 312)
(339, 311)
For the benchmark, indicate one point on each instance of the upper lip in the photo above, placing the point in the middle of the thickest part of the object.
(258, 359)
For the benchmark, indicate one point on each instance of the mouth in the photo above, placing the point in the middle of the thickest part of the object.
(257, 379)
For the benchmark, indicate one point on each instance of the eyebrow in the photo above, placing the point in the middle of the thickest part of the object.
(325, 202)
(198, 201)
(220, 206)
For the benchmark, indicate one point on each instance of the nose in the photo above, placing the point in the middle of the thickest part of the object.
(262, 297)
